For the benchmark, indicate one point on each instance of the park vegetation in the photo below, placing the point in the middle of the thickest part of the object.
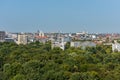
(37, 61)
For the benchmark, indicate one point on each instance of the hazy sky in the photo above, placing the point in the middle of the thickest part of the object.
(60, 15)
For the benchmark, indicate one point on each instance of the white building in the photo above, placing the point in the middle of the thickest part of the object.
(12, 36)
(82, 44)
(75, 44)
(116, 47)
(41, 34)
(59, 43)
(22, 39)
(94, 36)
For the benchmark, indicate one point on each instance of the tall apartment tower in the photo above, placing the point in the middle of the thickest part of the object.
(22, 39)
(2, 36)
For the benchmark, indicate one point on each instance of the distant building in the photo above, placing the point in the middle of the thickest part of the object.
(116, 46)
(2, 36)
(10, 36)
(40, 37)
(9, 40)
(82, 44)
(93, 36)
(75, 44)
(41, 34)
(60, 42)
(22, 39)
(30, 37)
(82, 36)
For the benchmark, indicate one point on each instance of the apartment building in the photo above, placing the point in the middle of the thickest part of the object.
(2, 36)
(22, 39)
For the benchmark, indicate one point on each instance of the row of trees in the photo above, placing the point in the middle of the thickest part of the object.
(37, 61)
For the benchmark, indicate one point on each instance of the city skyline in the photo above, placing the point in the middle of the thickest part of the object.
(64, 15)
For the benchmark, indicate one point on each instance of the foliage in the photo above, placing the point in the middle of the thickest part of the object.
(37, 61)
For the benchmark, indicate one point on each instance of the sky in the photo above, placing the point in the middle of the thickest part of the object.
(60, 15)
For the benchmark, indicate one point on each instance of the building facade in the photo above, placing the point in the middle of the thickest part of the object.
(116, 46)
(82, 44)
(60, 42)
(22, 39)
(2, 36)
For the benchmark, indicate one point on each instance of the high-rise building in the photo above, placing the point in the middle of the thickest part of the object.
(22, 39)
(2, 36)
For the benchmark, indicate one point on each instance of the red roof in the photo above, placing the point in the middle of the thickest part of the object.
(41, 37)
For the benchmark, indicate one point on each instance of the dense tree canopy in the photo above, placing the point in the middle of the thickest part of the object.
(37, 61)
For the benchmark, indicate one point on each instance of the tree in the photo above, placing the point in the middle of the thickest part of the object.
(18, 77)
(31, 70)
(67, 45)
